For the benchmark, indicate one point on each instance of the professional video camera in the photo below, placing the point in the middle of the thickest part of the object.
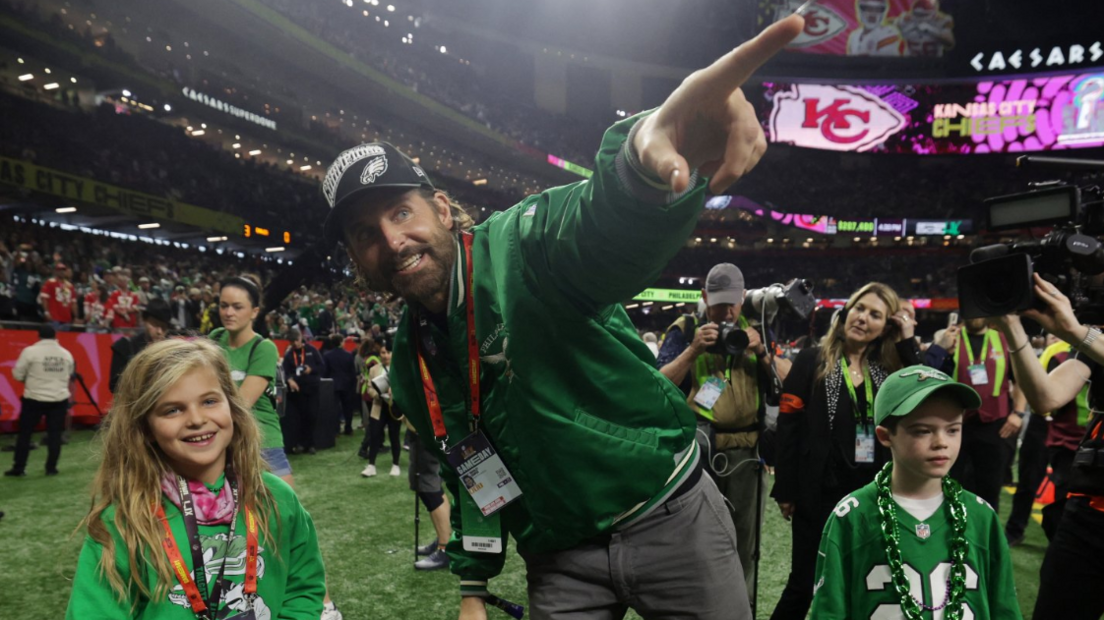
(999, 279)
(794, 299)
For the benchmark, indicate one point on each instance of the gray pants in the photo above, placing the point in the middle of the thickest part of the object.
(678, 562)
(739, 488)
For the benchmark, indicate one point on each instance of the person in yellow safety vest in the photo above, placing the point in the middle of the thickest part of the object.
(726, 391)
(989, 433)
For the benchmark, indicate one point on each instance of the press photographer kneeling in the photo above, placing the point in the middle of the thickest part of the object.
(721, 363)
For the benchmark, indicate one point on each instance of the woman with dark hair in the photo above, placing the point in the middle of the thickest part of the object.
(826, 446)
(253, 361)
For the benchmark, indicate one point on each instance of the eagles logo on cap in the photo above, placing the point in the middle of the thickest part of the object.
(375, 167)
(922, 373)
(364, 168)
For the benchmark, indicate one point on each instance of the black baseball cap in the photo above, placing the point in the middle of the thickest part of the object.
(364, 168)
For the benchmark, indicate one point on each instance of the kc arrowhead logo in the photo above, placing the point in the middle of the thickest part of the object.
(821, 23)
(837, 118)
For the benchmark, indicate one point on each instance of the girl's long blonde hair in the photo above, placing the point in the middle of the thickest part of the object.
(879, 350)
(129, 477)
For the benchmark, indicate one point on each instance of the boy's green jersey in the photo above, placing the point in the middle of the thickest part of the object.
(853, 578)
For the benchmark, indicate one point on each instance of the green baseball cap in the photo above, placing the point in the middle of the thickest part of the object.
(907, 388)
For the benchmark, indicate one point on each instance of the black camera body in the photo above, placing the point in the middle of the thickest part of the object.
(999, 279)
(731, 341)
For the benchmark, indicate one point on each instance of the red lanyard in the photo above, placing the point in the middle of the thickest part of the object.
(432, 402)
(199, 606)
(301, 358)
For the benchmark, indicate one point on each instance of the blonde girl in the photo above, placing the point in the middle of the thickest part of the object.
(182, 480)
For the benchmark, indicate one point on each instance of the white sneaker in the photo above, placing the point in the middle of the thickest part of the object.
(395, 471)
(369, 471)
(330, 612)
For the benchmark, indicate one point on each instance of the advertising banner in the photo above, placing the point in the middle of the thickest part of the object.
(1005, 116)
(90, 191)
(828, 225)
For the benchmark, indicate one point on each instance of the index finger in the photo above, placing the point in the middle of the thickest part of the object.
(735, 67)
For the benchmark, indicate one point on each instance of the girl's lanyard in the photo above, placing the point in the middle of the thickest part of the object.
(203, 605)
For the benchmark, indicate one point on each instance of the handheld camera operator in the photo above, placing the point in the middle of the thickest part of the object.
(726, 386)
(1074, 564)
(517, 364)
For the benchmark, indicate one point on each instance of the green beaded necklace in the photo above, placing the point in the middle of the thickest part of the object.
(956, 584)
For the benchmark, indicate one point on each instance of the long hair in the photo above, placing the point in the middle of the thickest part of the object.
(129, 477)
(879, 350)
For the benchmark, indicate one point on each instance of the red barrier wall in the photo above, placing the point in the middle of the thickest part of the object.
(92, 355)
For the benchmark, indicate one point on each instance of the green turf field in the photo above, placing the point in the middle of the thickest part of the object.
(365, 527)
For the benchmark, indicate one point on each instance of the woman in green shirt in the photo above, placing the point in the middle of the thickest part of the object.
(253, 361)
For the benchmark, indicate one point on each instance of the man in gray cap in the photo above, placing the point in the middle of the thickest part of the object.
(722, 366)
(520, 369)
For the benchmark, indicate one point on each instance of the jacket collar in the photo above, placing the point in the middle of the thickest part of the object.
(458, 282)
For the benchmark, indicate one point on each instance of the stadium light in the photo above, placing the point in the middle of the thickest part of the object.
(26, 76)
(305, 168)
(51, 86)
(168, 108)
(126, 93)
(255, 152)
(198, 132)
(66, 210)
(390, 8)
(73, 80)
(47, 70)
(479, 182)
(149, 226)
(275, 249)
(20, 60)
(215, 239)
(443, 50)
(631, 306)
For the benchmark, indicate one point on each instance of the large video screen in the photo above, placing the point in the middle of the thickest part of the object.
(921, 28)
(1006, 116)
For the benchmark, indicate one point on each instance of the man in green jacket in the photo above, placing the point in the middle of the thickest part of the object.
(516, 360)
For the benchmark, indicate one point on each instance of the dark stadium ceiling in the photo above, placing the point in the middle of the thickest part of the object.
(244, 47)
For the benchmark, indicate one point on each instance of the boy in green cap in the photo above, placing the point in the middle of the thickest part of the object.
(912, 544)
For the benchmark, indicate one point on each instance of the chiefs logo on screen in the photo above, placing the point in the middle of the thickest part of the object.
(821, 23)
(837, 118)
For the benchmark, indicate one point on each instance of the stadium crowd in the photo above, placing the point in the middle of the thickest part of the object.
(111, 277)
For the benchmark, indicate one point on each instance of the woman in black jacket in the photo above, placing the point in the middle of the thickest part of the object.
(826, 446)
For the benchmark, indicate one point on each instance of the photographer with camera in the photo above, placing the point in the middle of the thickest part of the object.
(1074, 562)
(723, 367)
(826, 445)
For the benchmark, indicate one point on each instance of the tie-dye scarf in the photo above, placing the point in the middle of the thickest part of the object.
(210, 509)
